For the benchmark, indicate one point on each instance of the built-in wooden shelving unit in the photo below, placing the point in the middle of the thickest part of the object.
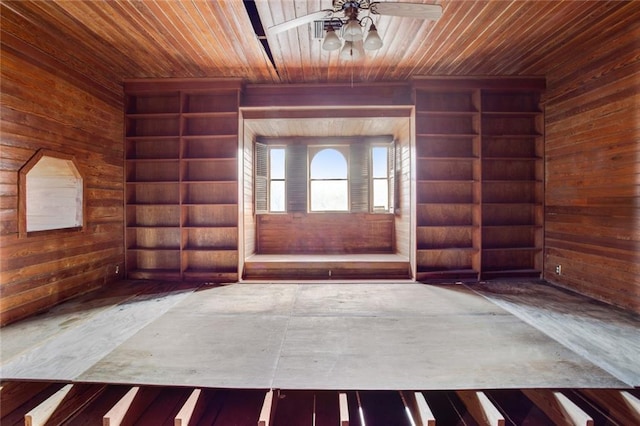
(182, 180)
(512, 183)
(480, 179)
(448, 190)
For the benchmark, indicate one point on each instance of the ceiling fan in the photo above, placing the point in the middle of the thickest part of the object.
(351, 8)
(343, 16)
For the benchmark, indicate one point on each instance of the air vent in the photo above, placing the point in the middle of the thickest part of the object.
(320, 27)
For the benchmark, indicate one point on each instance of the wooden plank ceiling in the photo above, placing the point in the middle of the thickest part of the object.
(215, 38)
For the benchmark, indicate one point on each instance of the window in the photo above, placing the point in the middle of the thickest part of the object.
(380, 178)
(277, 190)
(328, 180)
(270, 178)
(354, 175)
(52, 191)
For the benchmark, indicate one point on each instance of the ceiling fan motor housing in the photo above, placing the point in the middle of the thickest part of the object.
(339, 5)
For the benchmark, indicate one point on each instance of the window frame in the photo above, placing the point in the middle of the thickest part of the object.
(299, 153)
(22, 195)
(312, 151)
(270, 179)
(390, 168)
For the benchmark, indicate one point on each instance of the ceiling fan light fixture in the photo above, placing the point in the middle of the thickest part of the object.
(373, 40)
(345, 52)
(352, 50)
(352, 31)
(331, 40)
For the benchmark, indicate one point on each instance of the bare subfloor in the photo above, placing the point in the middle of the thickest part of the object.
(329, 336)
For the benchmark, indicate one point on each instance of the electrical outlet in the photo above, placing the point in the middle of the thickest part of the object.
(117, 269)
(559, 269)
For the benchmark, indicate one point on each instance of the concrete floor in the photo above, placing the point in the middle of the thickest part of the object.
(310, 336)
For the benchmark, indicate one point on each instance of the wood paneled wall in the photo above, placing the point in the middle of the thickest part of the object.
(326, 233)
(248, 217)
(59, 98)
(404, 213)
(593, 167)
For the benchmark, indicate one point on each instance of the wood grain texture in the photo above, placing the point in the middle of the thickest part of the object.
(15, 394)
(30, 397)
(560, 409)
(162, 39)
(403, 200)
(58, 99)
(117, 413)
(418, 407)
(592, 156)
(181, 179)
(326, 267)
(620, 405)
(63, 64)
(481, 408)
(247, 221)
(75, 401)
(329, 233)
(187, 414)
(150, 38)
(471, 38)
(156, 406)
(42, 414)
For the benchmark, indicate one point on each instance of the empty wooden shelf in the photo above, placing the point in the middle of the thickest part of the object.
(479, 179)
(181, 177)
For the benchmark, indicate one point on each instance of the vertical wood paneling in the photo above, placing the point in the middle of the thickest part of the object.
(249, 225)
(403, 185)
(196, 38)
(593, 165)
(147, 38)
(471, 38)
(49, 103)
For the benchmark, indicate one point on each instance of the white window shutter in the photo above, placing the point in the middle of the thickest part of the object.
(394, 168)
(359, 176)
(296, 178)
(261, 178)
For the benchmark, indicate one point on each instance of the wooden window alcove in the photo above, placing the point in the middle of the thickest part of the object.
(338, 218)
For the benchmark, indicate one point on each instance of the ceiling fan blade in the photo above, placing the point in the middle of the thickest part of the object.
(410, 10)
(287, 25)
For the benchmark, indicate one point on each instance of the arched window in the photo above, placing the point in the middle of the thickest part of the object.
(328, 180)
(51, 193)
